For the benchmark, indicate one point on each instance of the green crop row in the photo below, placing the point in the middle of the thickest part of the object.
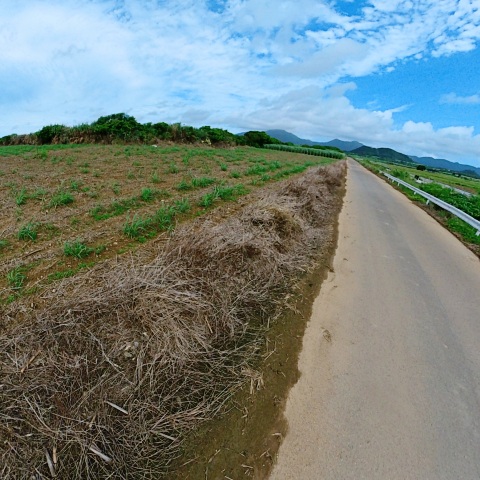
(306, 151)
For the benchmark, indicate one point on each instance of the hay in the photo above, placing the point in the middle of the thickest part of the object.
(106, 379)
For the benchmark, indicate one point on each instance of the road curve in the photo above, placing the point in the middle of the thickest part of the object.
(390, 366)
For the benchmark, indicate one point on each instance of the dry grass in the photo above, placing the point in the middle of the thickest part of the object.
(106, 379)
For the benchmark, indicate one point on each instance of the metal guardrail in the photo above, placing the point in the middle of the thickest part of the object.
(446, 206)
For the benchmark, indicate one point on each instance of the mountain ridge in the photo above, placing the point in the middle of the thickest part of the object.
(351, 146)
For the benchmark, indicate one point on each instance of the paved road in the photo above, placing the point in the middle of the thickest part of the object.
(390, 385)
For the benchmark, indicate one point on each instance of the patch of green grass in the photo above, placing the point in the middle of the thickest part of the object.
(203, 182)
(256, 169)
(155, 177)
(466, 231)
(28, 231)
(116, 188)
(77, 249)
(173, 168)
(184, 185)
(3, 244)
(235, 174)
(136, 227)
(164, 218)
(229, 193)
(75, 185)
(21, 196)
(207, 199)
(147, 195)
(223, 167)
(61, 275)
(182, 205)
(61, 199)
(16, 278)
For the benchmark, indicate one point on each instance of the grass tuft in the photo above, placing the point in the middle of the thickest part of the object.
(60, 199)
(77, 249)
(28, 231)
(16, 278)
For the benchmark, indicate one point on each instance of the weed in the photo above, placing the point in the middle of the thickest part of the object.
(256, 170)
(164, 218)
(84, 170)
(202, 182)
(116, 188)
(100, 249)
(75, 185)
(155, 177)
(76, 249)
(228, 193)
(184, 185)
(172, 168)
(130, 175)
(3, 244)
(16, 278)
(147, 195)
(182, 205)
(28, 231)
(21, 197)
(235, 174)
(208, 199)
(61, 275)
(39, 194)
(136, 227)
(223, 167)
(60, 199)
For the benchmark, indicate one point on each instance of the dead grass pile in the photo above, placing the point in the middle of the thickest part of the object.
(105, 380)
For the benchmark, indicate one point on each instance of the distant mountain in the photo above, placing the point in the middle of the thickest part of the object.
(446, 164)
(343, 145)
(288, 137)
(386, 153)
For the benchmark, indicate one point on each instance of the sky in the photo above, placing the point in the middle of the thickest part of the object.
(387, 73)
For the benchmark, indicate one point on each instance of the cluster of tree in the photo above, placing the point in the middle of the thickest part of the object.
(124, 128)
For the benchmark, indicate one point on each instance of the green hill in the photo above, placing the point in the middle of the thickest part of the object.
(383, 153)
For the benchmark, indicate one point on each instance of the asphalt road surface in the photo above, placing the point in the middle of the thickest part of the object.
(390, 384)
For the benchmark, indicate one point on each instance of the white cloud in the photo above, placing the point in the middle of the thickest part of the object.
(453, 98)
(257, 64)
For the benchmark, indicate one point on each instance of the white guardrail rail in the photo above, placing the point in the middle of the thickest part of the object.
(446, 206)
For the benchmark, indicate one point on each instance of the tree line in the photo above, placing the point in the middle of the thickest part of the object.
(123, 128)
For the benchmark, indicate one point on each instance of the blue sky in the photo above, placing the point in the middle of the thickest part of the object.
(387, 73)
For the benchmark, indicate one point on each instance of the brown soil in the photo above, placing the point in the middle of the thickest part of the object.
(98, 175)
